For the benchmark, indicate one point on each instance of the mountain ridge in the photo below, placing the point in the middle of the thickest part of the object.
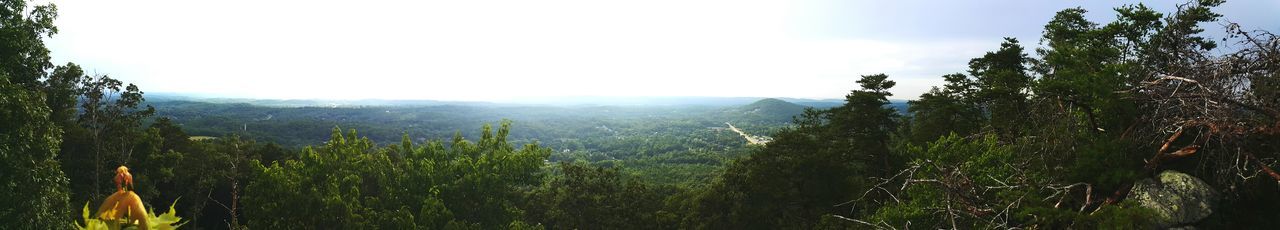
(536, 101)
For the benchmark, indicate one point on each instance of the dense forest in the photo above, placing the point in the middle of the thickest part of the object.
(1135, 123)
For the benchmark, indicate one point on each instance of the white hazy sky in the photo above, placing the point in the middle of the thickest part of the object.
(500, 50)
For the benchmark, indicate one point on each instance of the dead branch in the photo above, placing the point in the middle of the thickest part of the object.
(863, 222)
(1262, 166)
(1165, 146)
(909, 171)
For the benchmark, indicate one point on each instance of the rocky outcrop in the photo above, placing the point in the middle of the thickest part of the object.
(1177, 198)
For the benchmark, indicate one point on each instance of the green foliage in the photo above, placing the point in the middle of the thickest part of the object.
(25, 58)
(984, 156)
(1070, 128)
(864, 122)
(166, 221)
(1106, 163)
(215, 169)
(106, 131)
(1181, 32)
(590, 197)
(984, 161)
(1002, 85)
(36, 188)
(916, 210)
(1016, 143)
(1084, 65)
(1124, 215)
(62, 92)
(462, 185)
(947, 110)
(671, 145)
(799, 177)
(955, 173)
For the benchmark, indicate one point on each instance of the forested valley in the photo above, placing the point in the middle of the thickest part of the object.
(1139, 122)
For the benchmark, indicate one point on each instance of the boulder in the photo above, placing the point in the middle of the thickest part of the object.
(1177, 198)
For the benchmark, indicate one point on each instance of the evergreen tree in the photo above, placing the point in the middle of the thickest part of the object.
(865, 121)
(1002, 87)
(807, 171)
(946, 110)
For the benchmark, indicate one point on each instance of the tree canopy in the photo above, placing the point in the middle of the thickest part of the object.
(1061, 136)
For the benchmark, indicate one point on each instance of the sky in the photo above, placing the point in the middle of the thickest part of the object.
(495, 50)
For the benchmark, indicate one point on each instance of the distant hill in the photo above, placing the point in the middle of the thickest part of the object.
(899, 105)
(770, 105)
(819, 104)
(768, 109)
(773, 108)
(633, 101)
(815, 103)
(172, 97)
(532, 101)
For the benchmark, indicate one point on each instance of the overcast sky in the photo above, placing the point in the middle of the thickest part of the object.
(500, 50)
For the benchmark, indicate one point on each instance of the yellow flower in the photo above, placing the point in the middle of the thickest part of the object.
(123, 203)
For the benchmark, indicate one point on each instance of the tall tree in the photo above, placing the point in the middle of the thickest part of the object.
(945, 110)
(1002, 87)
(62, 89)
(807, 171)
(865, 121)
(35, 194)
(22, 33)
(111, 118)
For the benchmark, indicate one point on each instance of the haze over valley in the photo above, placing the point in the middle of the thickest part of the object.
(702, 114)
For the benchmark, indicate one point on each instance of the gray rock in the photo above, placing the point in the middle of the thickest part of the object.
(1177, 198)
